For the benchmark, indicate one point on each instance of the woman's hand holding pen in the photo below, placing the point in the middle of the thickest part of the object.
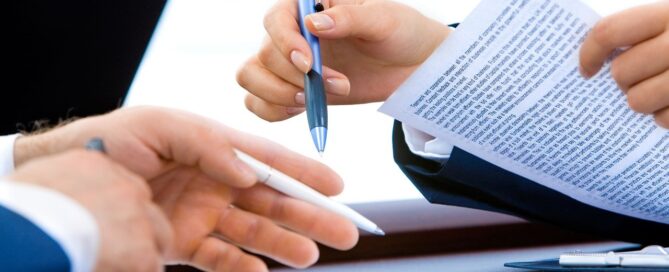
(368, 49)
(642, 70)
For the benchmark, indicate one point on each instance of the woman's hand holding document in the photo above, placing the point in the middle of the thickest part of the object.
(642, 71)
(506, 87)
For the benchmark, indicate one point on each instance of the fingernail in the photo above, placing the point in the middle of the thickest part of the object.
(583, 72)
(321, 21)
(338, 86)
(299, 98)
(245, 169)
(294, 111)
(300, 61)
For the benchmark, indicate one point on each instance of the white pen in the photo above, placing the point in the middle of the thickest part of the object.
(291, 187)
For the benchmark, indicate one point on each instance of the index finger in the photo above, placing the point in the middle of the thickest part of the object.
(622, 29)
(310, 172)
(281, 23)
(181, 137)
(159, 139)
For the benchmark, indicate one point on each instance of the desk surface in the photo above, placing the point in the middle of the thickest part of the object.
(484, 261)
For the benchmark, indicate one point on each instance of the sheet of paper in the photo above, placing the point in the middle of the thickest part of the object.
(505, 87)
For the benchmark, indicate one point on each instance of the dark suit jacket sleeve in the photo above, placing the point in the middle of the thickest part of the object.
(467, 181)
(25, 247)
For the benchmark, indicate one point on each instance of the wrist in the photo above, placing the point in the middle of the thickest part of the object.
(45, 142)
(27, 147)
(24, 149)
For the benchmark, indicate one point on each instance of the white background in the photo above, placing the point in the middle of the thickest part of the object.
(198, 47)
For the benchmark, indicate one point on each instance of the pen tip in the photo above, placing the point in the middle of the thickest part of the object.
(319, 135)
(320, 153)
(379, 231)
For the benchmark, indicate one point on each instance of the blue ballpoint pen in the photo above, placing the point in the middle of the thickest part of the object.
(314, 91)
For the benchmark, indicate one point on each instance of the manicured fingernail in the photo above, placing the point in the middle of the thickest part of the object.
(338, 86)
(294, 111)
(321, 21)
(299, 98)
(300, 61)
(246, 171)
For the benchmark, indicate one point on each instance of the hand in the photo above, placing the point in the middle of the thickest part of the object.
(642, 71)
(208, 194)
(368, 48)
(132, 228)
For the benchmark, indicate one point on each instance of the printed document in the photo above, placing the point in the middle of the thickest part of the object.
(505, 87)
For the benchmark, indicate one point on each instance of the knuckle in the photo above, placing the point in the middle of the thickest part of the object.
(662, 121)
(232, 259)
(272, 116)
(266, 54)
(602, 32)
(268, 19)
(618, 74)
(249, 103)
(255, 105)
(249, 263)
(252, 231)
(276, 27)
(344, 18)
(636, 104)
(277, 208)
(242, 75)
(664, 43)
(283, 43)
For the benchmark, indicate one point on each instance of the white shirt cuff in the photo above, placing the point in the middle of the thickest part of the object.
(426, 145)
(67, 222)
(7, 154)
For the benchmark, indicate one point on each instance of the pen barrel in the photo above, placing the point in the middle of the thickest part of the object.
(290, 187)
(298, 190)
(306, 7)
(315, 99)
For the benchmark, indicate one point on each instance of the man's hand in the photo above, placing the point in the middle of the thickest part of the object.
(208, 194)
(368, 47)
(642, 70)
(135, 234)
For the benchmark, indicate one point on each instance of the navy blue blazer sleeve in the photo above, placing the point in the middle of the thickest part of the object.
(25, 247)
(467, 181)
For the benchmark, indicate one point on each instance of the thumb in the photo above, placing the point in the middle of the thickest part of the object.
(365, 21)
